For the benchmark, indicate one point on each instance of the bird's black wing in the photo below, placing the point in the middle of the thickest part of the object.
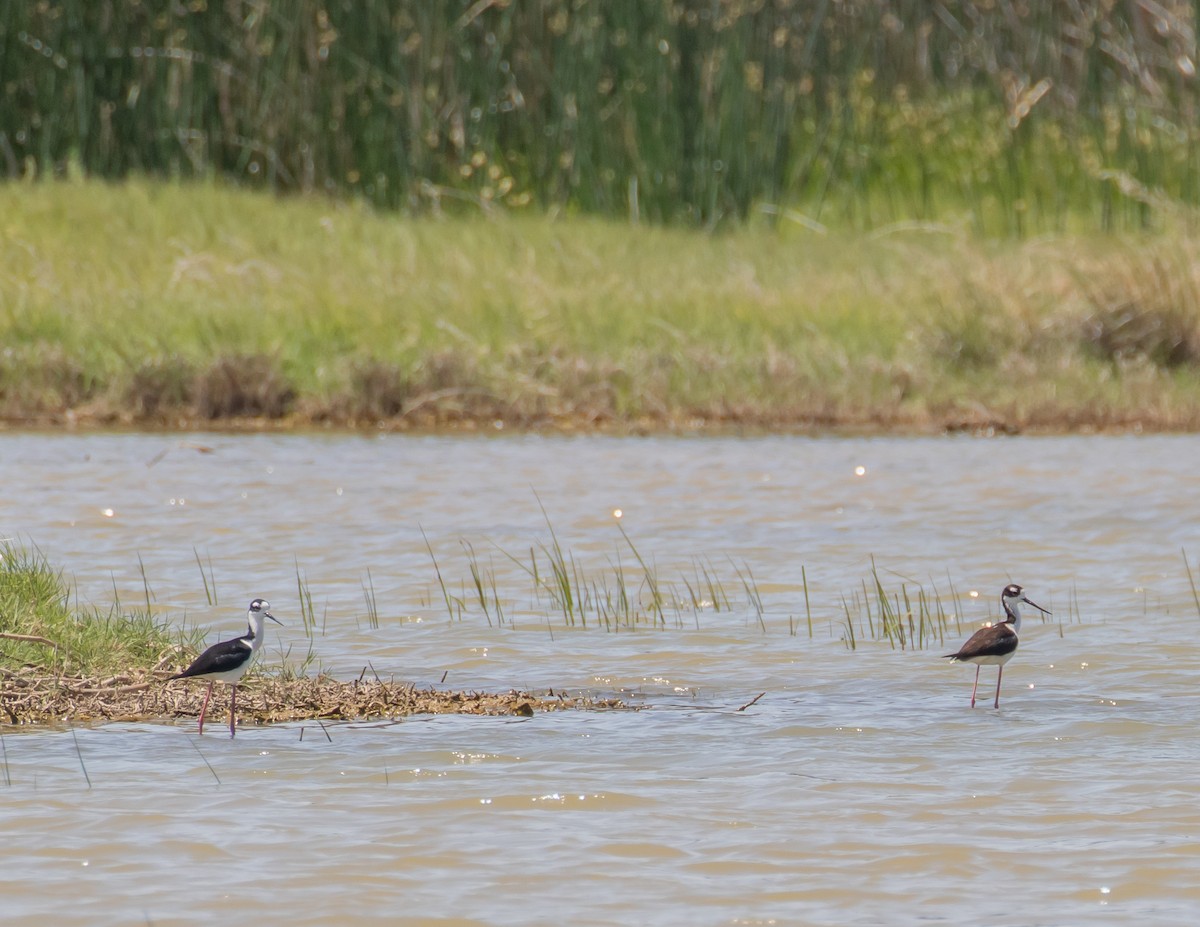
(219, 658)
(995, 641)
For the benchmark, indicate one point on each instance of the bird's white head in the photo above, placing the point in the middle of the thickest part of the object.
(259, 609)
(1011, 598)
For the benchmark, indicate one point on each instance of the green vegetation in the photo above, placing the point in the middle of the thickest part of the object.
(40, 629)
(1024, 117)
(630, 592)
(195, 305)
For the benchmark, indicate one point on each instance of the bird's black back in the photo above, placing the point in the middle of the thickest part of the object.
(996, 641)
(219, 658)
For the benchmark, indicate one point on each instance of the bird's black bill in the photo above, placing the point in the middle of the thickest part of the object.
(280, 623)
(1044, 611)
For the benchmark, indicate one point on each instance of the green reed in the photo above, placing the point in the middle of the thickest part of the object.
(483, 580)
(79, 754)
(1191, 580)
(368, 591)
(617, 597)
(649, 578)
(705, 590)
(753, 596)
(308, 614)
(850, 637)
(441, 582)
(208, 577)
(308, 622)
(911, 617)
(565, 578)
(807, 603)
(1028, 116)
(146, 590)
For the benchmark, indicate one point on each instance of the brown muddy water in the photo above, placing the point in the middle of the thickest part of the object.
(860, 789)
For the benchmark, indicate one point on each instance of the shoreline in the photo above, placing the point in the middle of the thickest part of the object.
(29, 699)
(980, 422)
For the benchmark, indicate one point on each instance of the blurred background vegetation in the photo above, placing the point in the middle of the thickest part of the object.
(1022, 117)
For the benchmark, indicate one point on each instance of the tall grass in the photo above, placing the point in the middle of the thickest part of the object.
(40, 628)
(1026, 116)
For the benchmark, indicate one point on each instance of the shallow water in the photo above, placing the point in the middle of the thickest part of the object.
(860, 789)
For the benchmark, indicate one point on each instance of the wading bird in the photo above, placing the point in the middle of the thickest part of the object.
(229, 660)
(995, 645)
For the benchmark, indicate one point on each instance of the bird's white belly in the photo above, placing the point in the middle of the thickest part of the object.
(990, 659)
(230, 676)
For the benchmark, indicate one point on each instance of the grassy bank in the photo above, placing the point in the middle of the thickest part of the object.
(195, 306)
(41, 631)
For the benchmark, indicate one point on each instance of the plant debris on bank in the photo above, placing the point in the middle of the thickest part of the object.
(29, 697)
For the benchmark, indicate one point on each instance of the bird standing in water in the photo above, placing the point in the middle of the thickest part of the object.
(995, 645)
(229, 660)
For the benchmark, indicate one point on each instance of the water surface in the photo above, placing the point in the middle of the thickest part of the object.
(860, 789)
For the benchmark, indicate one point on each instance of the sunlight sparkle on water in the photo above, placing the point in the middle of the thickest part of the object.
(845, 747)
(860, 470)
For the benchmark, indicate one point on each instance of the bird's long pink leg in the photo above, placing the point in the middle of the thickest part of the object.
(232, 703)
(204, 707)
(976, 686)
(999, 676)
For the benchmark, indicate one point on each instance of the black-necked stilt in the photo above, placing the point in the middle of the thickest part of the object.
(229, 660)
(995, 645)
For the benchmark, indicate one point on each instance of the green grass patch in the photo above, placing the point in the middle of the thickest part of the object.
(40, 629)
(195, 305)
